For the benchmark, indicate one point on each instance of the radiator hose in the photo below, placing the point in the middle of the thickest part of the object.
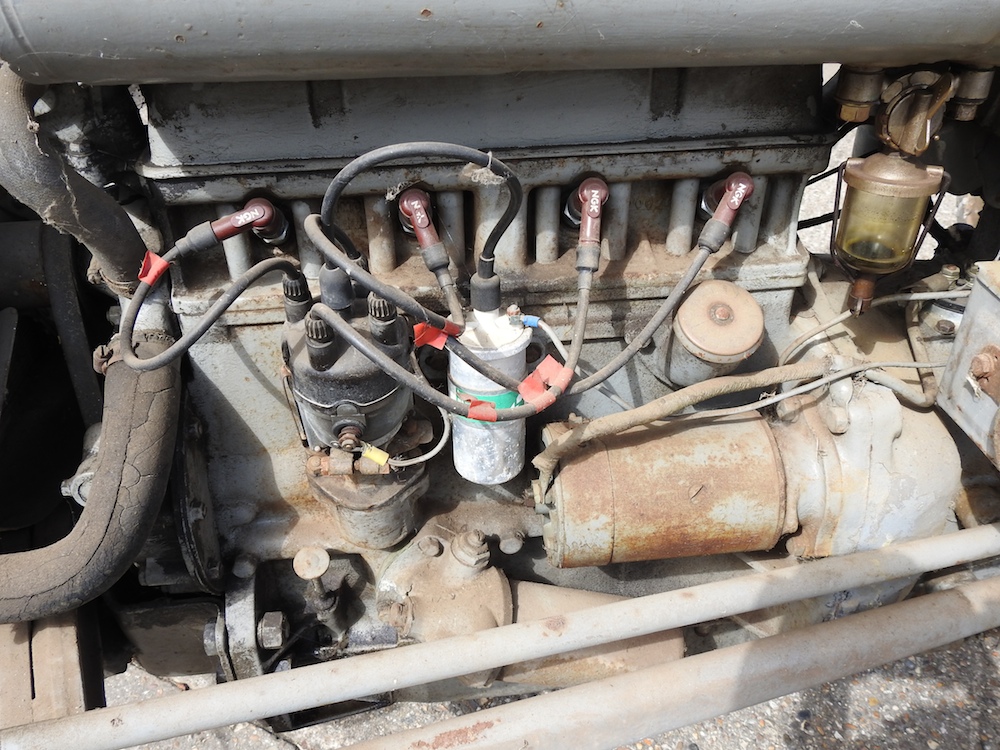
(34, 174)
(137, 442)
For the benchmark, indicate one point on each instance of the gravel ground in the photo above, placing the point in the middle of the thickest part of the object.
(946, 699)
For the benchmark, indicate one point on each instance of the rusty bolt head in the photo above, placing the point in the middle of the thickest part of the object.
(513, 311)
(470, 549)
(316, 466)
(272, 631)
(721, 313)
(983, 365)
(945, 327)
(951, 272)
(431, 546)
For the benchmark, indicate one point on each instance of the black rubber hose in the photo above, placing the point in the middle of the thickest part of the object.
(400, 299)
(481, 366)
(664, 312)
(33, 173)
(388, 365)
(216, 311)
(137, 443)
(430, 149)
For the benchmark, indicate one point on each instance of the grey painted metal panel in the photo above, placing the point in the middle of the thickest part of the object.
(120, 41)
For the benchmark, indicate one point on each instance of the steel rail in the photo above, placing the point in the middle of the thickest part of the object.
(372, 674)
(619, 710)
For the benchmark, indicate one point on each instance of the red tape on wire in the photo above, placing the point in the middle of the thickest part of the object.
(425, 334)
(153, 267)
(534, 388)
(482, 411)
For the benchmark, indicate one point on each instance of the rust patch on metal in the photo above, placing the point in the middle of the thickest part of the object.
(985, 368)
(454, 738)
(678, 490)
(556, 624)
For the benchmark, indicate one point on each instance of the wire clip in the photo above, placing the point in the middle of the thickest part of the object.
(379, 456)
(153, 267)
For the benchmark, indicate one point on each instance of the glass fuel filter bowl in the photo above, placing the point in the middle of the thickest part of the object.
(884, 209)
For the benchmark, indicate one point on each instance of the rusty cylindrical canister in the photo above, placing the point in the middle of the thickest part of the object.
(675, 490)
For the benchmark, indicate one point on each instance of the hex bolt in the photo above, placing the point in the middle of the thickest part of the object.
(430, 546)
(272, 631)
(951, 272)
(470, 549)
(945, 327)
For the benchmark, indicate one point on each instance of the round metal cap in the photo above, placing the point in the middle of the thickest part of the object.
(719, 322)
(311, 562)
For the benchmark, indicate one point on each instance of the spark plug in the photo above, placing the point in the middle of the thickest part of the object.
(415, 207)
(739, 187)
(258, 215)
(591, 195)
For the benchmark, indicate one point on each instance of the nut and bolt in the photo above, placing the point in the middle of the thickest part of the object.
(470, 549)
(430, 546)
(349, 438)
(951, 272)
(272, 631)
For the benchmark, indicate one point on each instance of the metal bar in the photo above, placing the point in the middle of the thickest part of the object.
(372, 674)
(451, 209)
(615, 711)
(237, 248)
(309, 257)
(616, 224)
(747, 226)
(125, 42)
(381, 234)
(683, 204)
(512, 250)
(547, 214)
